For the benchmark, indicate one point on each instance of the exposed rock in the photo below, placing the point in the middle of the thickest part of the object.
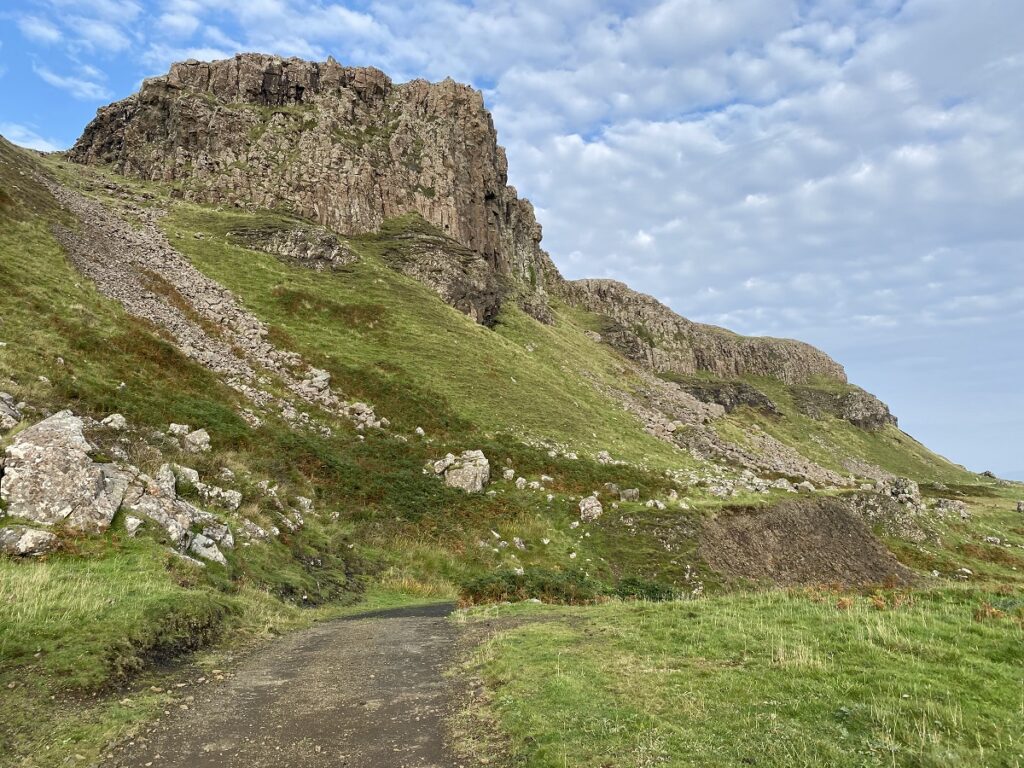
(178, 430)
(197, 441)
(521, 483)
(852, 404)
(313, 247)
(902, 489)
(954, 507)
(10, 415)
(115, 421)
(50, 478)
(235, 132)
(21, 541)
(629, 494)
(648, 332)
(461, 277)
(206, 548)
(508, 474)
(469, 471)
(728, 394)
(1020, 507)
(132, 524)
(590, 509)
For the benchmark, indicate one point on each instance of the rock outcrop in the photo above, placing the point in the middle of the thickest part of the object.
(343, 146)
(22, 541)
(853, 404)
(646, 331)
(49, 478)
(470, 470)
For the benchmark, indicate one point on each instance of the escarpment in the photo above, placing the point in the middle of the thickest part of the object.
(419, 162)
(646, 331)
(343, 146)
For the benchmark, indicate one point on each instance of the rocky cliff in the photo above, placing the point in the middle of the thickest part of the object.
(646, 331)
(343, 146)
(357, 153)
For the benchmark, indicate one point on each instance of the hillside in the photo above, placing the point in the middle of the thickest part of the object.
(254, 327)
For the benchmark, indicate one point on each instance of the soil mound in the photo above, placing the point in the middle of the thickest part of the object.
(812, 541)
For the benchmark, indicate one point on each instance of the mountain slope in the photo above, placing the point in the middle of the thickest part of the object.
(176, 273)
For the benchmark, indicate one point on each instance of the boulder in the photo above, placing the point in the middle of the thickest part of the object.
(205, 547)
(197, 441)
(115, 421)
(10, 415)
(590, 509)
(1020, 507)
(471, 472)
(179, 430)
(508, 474)
(50, 478)
(629, 494)
(22, 541)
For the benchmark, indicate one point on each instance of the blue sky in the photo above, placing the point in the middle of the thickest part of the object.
(848, 172)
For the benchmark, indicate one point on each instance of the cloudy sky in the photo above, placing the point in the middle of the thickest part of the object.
(848, 172)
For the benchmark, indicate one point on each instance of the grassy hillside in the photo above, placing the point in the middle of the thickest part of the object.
(79, 630)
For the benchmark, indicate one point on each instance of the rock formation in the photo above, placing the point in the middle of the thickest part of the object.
(49, 478)
(418, 163)
(646, 331)
(342, 146)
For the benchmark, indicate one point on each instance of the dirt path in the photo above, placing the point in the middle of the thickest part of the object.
(357, 692)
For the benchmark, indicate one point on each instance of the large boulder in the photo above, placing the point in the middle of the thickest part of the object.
(21, 541)
(50, 478)
(590, 509)
(470, 471)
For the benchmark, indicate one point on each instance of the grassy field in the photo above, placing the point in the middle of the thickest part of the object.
(924, 678)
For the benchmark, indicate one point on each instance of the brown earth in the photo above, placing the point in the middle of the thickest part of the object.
(813, 541)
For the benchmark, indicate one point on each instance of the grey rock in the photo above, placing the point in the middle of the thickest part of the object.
(471, 472)
(590, 509)
(179, 430)
(206, 548)
(49, 477)
(115, 421)
(132, 524)
(10, 414)
(197, 441)
(629, 494)
(21, 541)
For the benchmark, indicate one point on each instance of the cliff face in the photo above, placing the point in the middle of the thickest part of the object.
(645, 330)
(352, 150)
(340, 145)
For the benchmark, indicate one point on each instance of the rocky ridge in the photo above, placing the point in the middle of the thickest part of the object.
(646, 331)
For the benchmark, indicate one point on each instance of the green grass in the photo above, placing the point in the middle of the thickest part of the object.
(775, 679)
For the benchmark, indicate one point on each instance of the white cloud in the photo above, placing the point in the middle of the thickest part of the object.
(39, 29)
(178, 24)
(25, 136)
(79, 87)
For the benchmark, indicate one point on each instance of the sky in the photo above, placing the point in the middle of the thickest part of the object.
(846, 172)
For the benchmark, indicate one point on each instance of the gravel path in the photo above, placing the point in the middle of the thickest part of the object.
(357, 692)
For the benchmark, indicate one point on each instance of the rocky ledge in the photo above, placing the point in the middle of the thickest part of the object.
(646, 331)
